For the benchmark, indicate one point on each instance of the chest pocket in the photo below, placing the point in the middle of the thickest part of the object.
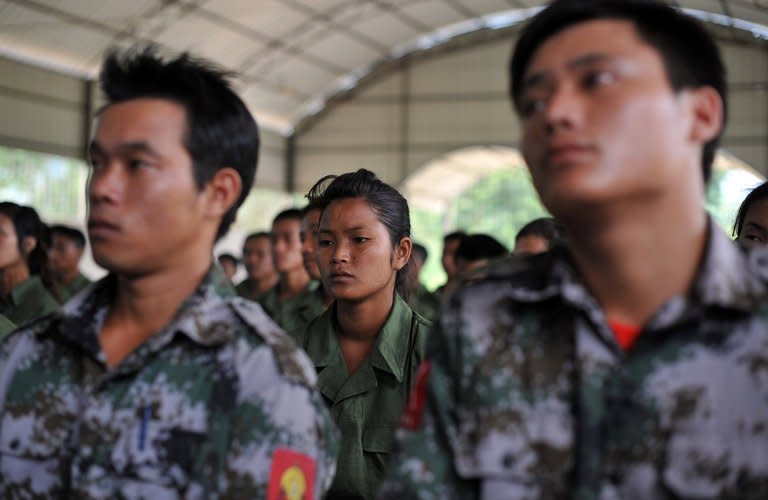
(515, 454)
(157, 457)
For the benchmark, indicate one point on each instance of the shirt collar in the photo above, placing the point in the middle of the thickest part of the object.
(203, 317)
(729, 276)
(389, 353)
(30, 286)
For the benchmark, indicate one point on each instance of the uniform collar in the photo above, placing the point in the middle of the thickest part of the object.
(203, 317)
(30, 286)
(388, 355)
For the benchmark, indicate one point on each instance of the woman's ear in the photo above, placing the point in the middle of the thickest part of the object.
(402, 253)
(28, 244)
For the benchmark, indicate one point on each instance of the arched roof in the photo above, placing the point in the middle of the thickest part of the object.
(292, 54)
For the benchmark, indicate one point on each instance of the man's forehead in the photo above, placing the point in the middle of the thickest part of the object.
(140, 119)
(607, 37)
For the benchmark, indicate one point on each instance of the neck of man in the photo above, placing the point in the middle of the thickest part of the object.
(69, 276)
(261, 284)
(636, 257)
(292, 283)
(12, 276)
(145, 303)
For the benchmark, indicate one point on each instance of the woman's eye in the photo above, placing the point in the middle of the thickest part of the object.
(530, 106)
(324, 243)
(360, 239)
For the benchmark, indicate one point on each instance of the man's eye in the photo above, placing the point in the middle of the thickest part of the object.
(324, 243)
(360, 239)
(137, 163)
(530, 106)
(598, 78)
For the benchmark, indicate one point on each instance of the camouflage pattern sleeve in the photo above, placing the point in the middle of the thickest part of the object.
(281, 422)
(422, 466)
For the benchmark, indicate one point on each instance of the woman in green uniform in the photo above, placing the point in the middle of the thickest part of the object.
(24, 273)
(368, 344)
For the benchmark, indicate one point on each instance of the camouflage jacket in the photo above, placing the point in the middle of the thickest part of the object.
(218, 404)
(528, 395)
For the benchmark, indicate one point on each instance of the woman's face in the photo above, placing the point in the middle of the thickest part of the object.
(755, 227)
(355, 255)
(9, 243)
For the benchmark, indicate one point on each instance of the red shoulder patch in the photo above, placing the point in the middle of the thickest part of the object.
(414, 410)
(291, 476)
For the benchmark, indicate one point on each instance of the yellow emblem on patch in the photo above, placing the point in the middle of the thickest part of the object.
(293, 484)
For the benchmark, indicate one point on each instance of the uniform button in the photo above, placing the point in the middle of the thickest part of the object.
(508, 461)
(14, 444)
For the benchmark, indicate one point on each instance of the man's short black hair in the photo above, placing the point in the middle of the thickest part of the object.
(691, 57)
(289, 213)
(220, 130)
(228, 257)
(480, 246)
(455, 235)
(420, 250)
(757, 194)
(546, 227)
(257, 235)
(69, 232)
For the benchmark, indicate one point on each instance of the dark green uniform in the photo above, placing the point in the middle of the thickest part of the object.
(67, 291)
(425, 302)
(243, 289)
(6, 326)
(367, 404)
(294, 314)
(29, 300)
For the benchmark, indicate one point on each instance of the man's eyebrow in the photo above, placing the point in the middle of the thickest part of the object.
(535, 79)
(126, 147)
(756, 225)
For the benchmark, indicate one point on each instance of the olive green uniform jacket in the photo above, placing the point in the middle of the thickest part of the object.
(29, 300)
(66, 292)
(294, 314)
(366, 404)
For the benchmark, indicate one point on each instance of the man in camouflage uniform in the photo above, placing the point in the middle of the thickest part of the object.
(157, 381)
(633, 365)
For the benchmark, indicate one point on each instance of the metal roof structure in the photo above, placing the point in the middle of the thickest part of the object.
(292, 55)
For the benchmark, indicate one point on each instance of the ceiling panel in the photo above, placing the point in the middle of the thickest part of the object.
(208, 39)
(270, 17)
(305, 78)
(435, 13)
(112, 11)
(386, 28)
(342, 50)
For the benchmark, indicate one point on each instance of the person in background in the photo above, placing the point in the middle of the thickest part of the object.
(158, 381)
(424, 302)
(451, 242)
(538, 236)
(26, 283)
(281, 301)
(67, 246)
(228, 263)
(751, 224)
(475, 250)
(315, 299)
(630, 363)
(368, 344)
(260, 271)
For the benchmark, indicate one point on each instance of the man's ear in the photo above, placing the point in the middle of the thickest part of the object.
(402, 253)
(28, 244)
(222, 191)
(708, 114)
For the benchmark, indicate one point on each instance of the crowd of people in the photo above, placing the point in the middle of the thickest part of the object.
(617, 351)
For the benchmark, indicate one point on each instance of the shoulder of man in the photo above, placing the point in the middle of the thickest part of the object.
(292, 362)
